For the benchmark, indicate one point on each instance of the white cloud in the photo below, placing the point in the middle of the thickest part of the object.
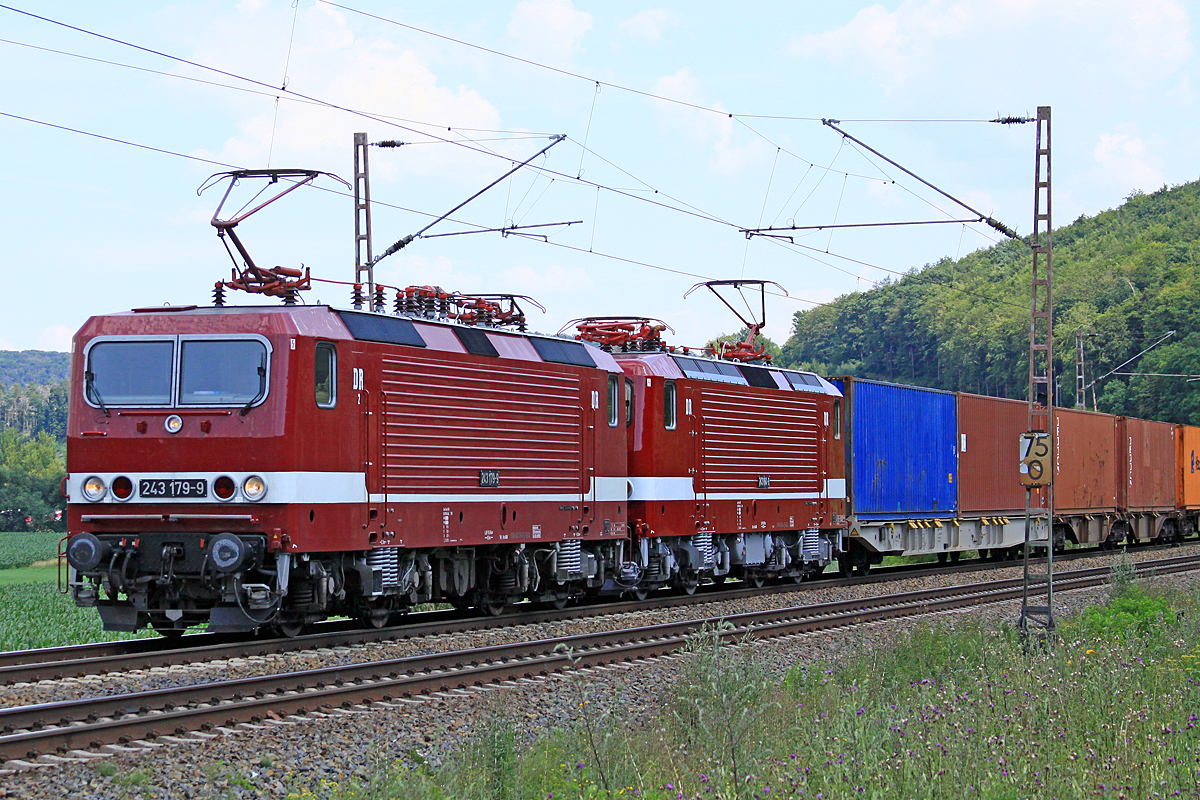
(56, 337)
(549, 30)
(946, 41)
(369, 74)
(1124, 159)
(650, 24)
(731, 150)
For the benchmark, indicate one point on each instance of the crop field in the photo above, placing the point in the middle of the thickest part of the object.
(36, 615)
(1109, 712)
(32, 612)
(22, 549)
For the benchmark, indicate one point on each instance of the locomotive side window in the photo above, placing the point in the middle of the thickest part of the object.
(326, 374)
(669, 417)
(222, 371)
(628, 402)
(613, 401)
(135, 373)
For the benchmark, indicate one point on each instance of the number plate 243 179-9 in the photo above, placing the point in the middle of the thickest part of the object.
(173, 487)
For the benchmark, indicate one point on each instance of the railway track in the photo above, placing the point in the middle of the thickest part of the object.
(27, 732)
(107, 657)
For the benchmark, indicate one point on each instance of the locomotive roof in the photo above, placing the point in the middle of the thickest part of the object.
(335, 323)
(670, 365)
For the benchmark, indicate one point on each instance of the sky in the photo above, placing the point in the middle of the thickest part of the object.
(685, 125)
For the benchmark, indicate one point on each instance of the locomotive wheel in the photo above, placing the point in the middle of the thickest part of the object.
(561, 601)
(797, 577)
(376, 618)
(493, 607)
(688, 587)
(166, 631)
(288, 628)
(754, 579)
(640, 593)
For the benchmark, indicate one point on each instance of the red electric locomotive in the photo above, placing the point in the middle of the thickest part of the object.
(246, 466)
(254, 466)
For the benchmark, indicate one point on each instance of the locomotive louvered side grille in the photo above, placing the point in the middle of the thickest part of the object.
(570, 557)
(704, 543)
(444, 423)
(747, 437)
(387, 561)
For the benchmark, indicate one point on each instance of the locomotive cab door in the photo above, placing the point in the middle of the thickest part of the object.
(372, 447)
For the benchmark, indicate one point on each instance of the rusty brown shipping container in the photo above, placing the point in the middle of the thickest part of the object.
(1088, 466)
(1187, 465)
(1148, 481)
(989, 429)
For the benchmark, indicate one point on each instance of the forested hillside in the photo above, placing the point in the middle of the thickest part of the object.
(1128, 275)
(33, 366)
(33, 431)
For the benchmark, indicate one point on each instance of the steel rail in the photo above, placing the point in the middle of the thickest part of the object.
(31, 730)
(105, 657)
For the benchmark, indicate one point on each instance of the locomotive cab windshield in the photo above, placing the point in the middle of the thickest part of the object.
(184, 371)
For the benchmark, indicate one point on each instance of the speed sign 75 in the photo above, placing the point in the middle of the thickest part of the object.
(1037, 459)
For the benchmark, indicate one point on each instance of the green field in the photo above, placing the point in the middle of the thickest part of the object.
(22, 549)
(32, 612)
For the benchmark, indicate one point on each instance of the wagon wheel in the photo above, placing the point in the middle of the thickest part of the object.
(719, 580)
(640, 593)
(862, 569)
(754, 579)
(845, 567)
(798, 577)
(560, 601)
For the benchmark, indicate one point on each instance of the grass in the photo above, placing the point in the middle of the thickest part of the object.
(1108, 712)
(29, 575)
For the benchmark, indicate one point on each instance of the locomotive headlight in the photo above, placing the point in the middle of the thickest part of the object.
(254, 487)
(94, 488)
(173, 423)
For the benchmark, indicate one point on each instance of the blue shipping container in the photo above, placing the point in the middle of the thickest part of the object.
(902, 450)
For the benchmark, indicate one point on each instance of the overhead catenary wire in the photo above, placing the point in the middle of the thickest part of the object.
(382, 120)
(316, 101)
(516, 134)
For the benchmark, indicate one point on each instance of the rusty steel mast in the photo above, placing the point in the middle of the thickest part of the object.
(1038, 451)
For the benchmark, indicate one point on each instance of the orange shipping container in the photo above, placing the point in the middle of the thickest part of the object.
(1187, 461)
(1148, 465)
(988, 431)
(1087, 462)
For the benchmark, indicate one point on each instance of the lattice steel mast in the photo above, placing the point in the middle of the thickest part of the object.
(364, 267)
(1039, 455)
